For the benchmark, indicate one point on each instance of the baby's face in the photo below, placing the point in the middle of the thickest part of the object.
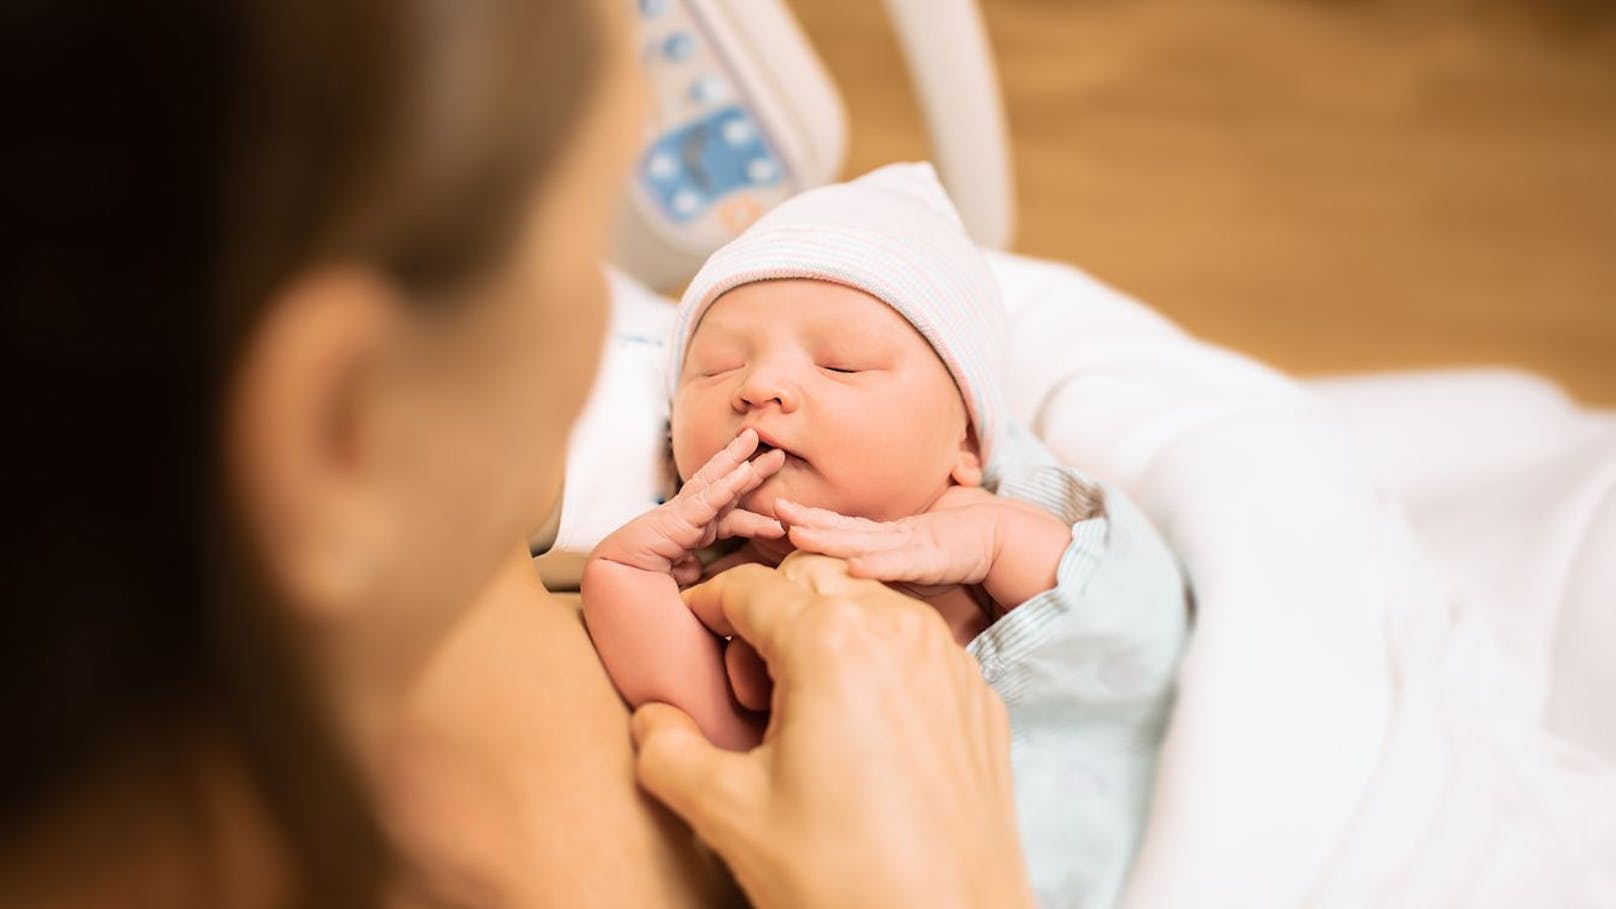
(870, 419)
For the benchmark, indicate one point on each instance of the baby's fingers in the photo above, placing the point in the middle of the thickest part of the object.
(739, 522)
(686, 571)
(704, 498)
(728, 458)
(894, 552)
(917, 564)
(732, 458)
(841, 543)
(799, 515)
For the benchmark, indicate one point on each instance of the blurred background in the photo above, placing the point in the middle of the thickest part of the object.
(1329, 185)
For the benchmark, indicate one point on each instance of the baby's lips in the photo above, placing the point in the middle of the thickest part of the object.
(769, 439)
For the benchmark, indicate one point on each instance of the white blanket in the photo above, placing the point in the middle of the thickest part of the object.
(1362, 708)
(1349, 731)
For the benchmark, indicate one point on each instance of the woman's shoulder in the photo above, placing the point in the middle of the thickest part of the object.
(513, 776)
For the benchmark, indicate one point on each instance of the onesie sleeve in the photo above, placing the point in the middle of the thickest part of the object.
(1086, 671)
(1110, 633)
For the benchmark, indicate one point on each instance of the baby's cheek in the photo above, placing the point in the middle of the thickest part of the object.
(693, 438)
(685, 460)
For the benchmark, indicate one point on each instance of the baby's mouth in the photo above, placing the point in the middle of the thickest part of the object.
(764, 448)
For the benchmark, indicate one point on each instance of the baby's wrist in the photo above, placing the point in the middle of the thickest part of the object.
(1027, 547)
(634, 545)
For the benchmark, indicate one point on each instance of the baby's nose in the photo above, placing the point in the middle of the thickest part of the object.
(764, 384)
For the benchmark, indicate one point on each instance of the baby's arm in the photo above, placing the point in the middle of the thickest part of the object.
(970, 536)
(653, 647)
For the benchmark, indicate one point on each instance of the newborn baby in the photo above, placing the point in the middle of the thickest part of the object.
(833, 384)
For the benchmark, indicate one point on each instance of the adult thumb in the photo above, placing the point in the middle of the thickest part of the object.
(714, 790)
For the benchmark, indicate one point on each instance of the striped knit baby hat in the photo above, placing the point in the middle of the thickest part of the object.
(894, 234)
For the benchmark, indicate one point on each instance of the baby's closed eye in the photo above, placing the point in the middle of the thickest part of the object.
(848, 354)
(849, 360)
(714, 364)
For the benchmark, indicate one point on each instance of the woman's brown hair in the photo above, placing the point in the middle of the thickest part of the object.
(168, 167)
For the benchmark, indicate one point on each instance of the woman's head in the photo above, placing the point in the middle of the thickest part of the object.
(400, 409)
(324, 277)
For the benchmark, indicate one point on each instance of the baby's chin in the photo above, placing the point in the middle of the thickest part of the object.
(762, 499)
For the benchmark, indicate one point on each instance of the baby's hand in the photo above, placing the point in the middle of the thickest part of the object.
(666, 538)
(960, 540)
(953, 543)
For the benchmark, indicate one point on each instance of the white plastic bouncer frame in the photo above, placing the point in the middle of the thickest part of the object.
(787, 87)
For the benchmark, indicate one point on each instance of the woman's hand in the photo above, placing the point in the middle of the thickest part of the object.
(884, 777)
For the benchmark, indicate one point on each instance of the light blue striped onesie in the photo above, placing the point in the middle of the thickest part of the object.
(1086, 670)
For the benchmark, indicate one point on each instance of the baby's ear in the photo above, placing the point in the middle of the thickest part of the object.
(968, 464)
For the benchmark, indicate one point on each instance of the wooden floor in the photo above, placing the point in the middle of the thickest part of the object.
(1331, 186)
